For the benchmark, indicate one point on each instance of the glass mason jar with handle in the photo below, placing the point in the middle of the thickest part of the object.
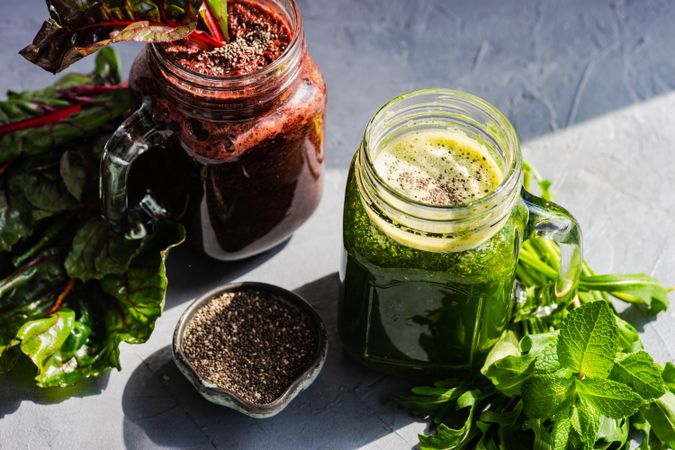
(238, 159)
(427, 288)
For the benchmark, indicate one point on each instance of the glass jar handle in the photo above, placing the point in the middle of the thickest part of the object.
(135, 136)
(548, 220)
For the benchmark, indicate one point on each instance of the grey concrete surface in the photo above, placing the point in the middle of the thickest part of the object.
(588, 85)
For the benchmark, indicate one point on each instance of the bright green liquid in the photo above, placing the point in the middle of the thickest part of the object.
(405, 309)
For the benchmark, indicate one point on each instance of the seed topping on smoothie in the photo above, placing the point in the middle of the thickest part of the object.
(257, 38)
(438, 167)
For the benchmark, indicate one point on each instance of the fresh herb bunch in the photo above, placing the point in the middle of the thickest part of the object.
(71, 288)
(78, 28)
(565, 375)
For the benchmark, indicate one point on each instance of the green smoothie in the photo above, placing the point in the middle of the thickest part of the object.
(432, 301)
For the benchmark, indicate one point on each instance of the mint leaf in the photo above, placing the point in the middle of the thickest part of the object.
(561, 429)
(547, 361)
(661, 417)
(535, 343)
(641, 374)
(588, 340)
(545, 394)
(610, 398)
(586, 422)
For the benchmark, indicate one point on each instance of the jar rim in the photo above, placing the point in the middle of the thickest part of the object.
(507, 185)
(233, 82)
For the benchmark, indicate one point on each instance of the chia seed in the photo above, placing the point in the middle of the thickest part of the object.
(252, 343)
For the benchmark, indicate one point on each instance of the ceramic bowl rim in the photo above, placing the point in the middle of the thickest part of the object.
(211, 391)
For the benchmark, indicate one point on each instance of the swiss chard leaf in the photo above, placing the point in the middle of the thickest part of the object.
(15, 220)
(140, 291)
(76, 106)
(98, 250)
(70, 328)
(78, 28)
(215, 13)
(41, 339)
(121, 308)
(27, 294)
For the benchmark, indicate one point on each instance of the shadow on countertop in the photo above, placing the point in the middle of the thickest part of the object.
(18, 385)
(344, 408)
(187, 270)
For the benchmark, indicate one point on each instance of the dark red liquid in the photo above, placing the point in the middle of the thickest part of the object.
(240, 187)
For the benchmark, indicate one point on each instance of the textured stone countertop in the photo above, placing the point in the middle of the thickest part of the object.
(589, 86)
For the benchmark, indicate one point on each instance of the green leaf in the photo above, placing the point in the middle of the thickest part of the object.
(629, 339)
(545, 394)
(428, 399)
(510, 373)
(661, 417)
(78, 28)
(98, 250)
(536, 343)
(27, 294)
(42, 186)
(547, 360)
(15, 220)
(586, 422)
(140, 291)
(636, 288)
(506, 367)
(50, 130)
(73, 169)
(218, 10)
(561, 429)
(588, 340)
(41, 338)
(121, 308)
(668, 376)
(610, 398)
(640, 373)
(76, 106)
(446, 437)
(613, 433)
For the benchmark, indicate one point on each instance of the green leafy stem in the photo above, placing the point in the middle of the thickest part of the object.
(71, 288)
(564, 376)
(580, 386)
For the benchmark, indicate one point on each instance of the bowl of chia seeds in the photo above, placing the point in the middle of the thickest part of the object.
(252, 347)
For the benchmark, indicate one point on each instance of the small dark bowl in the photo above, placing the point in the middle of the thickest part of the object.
(225, 397)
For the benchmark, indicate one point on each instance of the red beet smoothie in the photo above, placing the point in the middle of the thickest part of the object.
(241, 183)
